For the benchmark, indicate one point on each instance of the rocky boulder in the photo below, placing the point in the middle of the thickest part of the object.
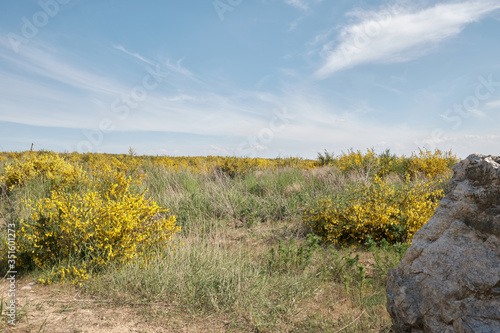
(449, 279)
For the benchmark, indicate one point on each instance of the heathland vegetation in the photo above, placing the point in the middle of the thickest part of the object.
(260, 245)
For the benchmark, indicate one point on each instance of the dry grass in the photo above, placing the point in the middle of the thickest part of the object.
(223, 278)
(216, 282)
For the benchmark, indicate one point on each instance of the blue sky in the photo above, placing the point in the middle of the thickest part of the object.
(250, 78)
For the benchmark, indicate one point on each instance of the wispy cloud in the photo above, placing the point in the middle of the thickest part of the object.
(177, 68)
(133, 54)
(238, 116)
(398, 34)
(43, 61)
(173, 67)
(47, 89)
(301, 4)
(181, 97)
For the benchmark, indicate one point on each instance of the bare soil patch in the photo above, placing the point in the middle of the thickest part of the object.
(61, 308)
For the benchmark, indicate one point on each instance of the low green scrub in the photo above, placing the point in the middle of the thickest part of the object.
(292, 257)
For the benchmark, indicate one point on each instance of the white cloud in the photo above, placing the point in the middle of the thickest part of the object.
(238, 117)
(216, 150)
(179, 98)
(301, 4)
(477, 113)
(47, 88)
(482, 137)
(397, 34)
(493, 104)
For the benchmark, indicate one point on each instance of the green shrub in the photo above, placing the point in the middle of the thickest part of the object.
(292, 257)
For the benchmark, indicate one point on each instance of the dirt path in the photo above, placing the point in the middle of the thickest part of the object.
(61, 308)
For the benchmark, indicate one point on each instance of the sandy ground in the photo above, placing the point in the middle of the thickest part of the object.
(60, 308)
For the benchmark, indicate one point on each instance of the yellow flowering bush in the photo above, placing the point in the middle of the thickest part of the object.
(358, 161)
(79, 233)
(231, 166)
(378, 209)
(32, 165)
(430, 164)
(427, 163)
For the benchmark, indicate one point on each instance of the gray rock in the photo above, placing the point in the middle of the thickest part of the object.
(449, 278)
